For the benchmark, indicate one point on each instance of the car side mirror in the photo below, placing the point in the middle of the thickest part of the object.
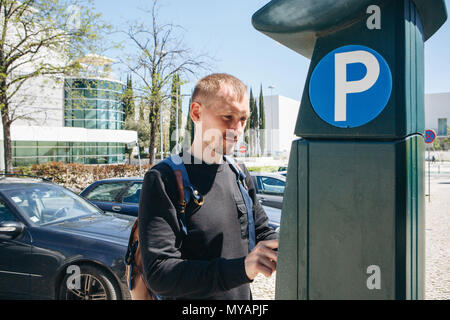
(11, 229)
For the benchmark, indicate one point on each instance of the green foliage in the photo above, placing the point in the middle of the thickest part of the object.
(190, 128)
(128, 99)
(142, 128)
(262, 121)
(176, 105)
(253, 125)
(263, 169)
(441, 144)
(253, 112)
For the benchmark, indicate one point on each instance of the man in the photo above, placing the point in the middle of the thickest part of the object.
(213, 260)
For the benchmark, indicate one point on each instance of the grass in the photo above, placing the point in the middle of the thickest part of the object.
(263, 169)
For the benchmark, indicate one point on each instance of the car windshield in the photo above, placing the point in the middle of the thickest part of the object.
(47, 203)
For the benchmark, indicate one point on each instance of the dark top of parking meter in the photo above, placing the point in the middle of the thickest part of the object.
(298, 23)
(209, 262)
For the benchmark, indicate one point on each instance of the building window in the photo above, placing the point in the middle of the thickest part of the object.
(26, 153)
(442, 127)
(93, 104)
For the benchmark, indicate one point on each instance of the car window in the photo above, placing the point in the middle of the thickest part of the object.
(272, 185)
(106, 191)
(133, 193)
(5, 213)
(45, 204)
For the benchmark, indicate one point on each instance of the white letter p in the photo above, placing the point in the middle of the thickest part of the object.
(343, 87)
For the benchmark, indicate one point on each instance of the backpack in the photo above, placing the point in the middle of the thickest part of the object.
(137, 284)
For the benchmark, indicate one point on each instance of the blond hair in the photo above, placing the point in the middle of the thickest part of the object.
(207, 88)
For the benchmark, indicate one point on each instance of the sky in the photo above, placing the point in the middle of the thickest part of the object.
(223, 30)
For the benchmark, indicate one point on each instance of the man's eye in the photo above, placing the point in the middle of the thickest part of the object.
(228, 117)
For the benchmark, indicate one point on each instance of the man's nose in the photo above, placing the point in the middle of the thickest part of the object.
(236, 129)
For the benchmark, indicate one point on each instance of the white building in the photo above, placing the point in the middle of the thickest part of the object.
(74, 119)
(437, 112)
(281, 116)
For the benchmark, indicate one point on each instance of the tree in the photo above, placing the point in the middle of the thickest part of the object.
(247, 131)
(262, 123)
(141, 110)
(253, 123)
(128, 100)
(160, 55)
(142, 129)
(175, 107)
(190, 128)
(40, 39)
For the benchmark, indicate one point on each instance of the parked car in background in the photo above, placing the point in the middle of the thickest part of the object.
(121, 195)
(282, 171)
(274, 215)
(56, 245)
(270, 188)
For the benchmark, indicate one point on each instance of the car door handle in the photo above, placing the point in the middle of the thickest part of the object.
(116, 208)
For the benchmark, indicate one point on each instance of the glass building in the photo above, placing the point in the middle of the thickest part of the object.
(27, 153)
(78, 120)
(93, 104)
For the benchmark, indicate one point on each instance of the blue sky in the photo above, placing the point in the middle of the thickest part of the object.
(223, 29)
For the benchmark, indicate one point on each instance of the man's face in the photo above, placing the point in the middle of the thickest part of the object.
(223, 121)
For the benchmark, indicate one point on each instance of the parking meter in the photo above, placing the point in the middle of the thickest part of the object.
(352, 223)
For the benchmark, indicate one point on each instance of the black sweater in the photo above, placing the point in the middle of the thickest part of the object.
(208, 263)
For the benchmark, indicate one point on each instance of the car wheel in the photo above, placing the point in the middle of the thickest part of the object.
(90, 284)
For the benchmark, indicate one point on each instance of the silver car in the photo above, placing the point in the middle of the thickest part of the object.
(270, 188)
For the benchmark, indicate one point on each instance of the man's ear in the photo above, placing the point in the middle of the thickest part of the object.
(196, 111)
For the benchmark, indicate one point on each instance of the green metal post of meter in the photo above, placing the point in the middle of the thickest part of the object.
(352, 223)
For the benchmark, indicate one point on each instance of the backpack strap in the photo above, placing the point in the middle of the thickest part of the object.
(186, 190)
(247, 200)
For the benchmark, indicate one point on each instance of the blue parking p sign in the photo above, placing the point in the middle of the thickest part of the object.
(350, 86)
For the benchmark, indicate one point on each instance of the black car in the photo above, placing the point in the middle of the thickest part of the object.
(119, 195)
(56, 245)
(270, 188)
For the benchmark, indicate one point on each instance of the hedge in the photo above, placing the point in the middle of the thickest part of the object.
(77, 177)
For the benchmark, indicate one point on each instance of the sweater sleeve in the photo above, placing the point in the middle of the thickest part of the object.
(167, 273)
(263, 230)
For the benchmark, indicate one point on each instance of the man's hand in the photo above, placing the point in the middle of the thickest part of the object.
(262, 259)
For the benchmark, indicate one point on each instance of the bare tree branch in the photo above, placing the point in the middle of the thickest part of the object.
(160, 54)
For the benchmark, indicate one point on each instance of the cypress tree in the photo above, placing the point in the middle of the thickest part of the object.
(128, 100)
(175, 97)
(253, 122)
(247, 133)
(262, 122)
(190, 128)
